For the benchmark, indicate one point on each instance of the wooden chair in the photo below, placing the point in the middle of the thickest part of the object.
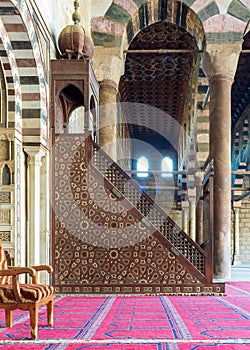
(14, 295)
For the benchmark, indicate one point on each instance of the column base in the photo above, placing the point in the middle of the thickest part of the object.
(236, 260)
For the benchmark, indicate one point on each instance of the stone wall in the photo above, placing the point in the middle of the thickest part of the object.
(244, 226)
(244, 233)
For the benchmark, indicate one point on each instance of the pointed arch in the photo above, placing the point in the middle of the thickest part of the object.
(122, 22)
(23, 64)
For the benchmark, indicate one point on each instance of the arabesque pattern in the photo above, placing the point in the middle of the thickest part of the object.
(151, 212)
(101, 243)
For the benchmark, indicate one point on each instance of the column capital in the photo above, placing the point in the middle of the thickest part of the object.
(108, 83)
(35, 154)
(108, 63)
(185, 205)
(192, 199)
(221, 60)
(237, 210)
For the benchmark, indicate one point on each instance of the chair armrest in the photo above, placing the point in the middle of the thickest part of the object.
(14, 272)
(43, 268)
(47, 268)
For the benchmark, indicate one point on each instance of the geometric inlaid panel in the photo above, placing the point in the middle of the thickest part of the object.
(100, 243)
(5, 236)
(5, 197)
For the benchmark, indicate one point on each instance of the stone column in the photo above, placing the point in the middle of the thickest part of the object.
(236, 260)
(108, 117)
(199, 208)
(33, 209)
(185, 216)
(220, 63)
(192, 218)
(45, 215)
(199, 221)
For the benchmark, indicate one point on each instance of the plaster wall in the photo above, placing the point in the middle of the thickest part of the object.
(58, 14)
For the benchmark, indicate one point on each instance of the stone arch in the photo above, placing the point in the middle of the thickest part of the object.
(178, 13)
(3, 98)
(12, 78)
(121, 23)
(23, 68)
(71, 98)
(225, 21)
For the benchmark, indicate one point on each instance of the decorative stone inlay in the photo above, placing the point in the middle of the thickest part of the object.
(5, 236)
(5, 197)
(100, 244)
(5, 216)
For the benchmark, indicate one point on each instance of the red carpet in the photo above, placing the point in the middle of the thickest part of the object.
(139, 322)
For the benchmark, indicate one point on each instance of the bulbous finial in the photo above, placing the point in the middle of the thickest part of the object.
(76, 16)
(72, 41)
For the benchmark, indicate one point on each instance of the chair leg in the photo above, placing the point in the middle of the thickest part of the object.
(8, 318)
(50, 311)
(34, 321)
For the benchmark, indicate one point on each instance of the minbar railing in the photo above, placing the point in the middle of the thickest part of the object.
(152, 213)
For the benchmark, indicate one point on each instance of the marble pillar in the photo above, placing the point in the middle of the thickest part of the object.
(220, 63)
(108, 117)
(185, 216)
(45, 238)
(33, 203)
(199, 221)
(236, 259)
(192, 218)
(199, 207)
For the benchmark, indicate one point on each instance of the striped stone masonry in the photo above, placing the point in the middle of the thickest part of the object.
(23, 69)
(202, 120)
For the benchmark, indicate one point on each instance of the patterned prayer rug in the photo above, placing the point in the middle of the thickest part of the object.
(138, 323)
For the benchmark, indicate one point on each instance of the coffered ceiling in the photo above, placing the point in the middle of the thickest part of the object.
(157, 82)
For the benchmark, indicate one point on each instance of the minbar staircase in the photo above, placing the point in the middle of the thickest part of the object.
(110, 237)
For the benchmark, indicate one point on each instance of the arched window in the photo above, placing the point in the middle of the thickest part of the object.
(166, 165)
(142, 167)
(6, 175)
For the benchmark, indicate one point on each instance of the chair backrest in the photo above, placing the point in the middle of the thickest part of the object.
(3, 265)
